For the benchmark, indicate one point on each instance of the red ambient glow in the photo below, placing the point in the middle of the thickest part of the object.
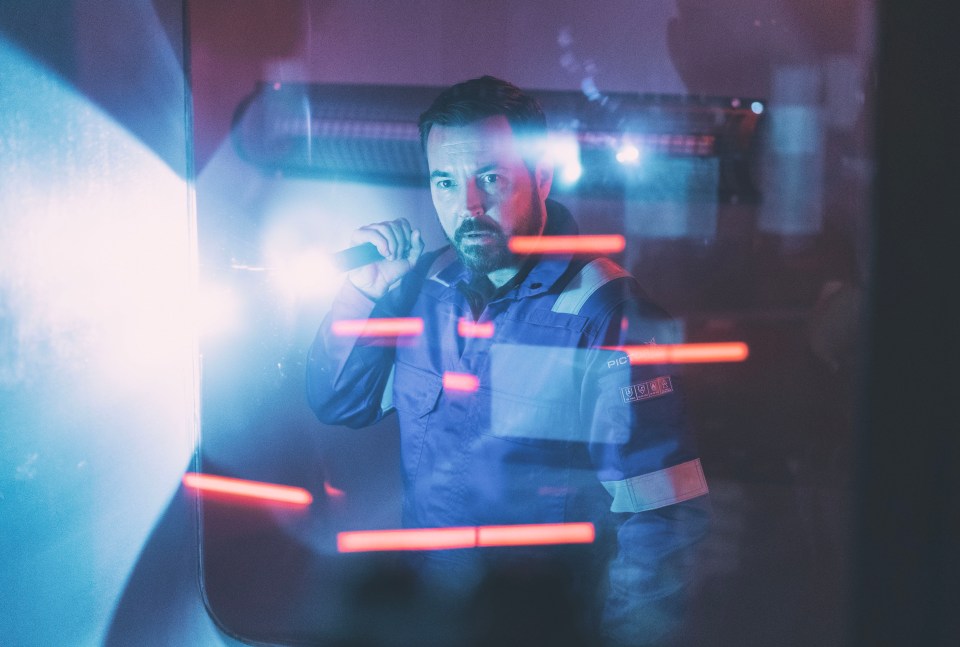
(597, 244)
(248, 489)
(465, 537)
(467, 328)
(398, 327)
(734, 351)
(460, 382)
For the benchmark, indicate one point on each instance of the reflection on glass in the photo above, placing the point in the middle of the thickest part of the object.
(729, 182)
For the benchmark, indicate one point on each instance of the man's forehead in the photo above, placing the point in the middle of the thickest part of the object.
(491, 136)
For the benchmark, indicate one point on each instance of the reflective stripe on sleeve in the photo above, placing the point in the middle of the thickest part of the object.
(657, 489)
(593, 276)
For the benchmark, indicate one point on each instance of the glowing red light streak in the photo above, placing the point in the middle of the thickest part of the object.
(465, 537)
(460, 382)
(536, 534)
(383, 327)
(685, 353)
(596, 244)
(248, 489)
(412, 539)
(332, 492)
(467, 328)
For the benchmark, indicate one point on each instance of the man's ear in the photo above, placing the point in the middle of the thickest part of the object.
(544, 176)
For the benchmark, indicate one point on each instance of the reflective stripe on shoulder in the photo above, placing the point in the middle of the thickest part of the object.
(658, 489)
(593, 276)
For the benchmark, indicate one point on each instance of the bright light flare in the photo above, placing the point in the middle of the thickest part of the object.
(685, 353)
(467, 328)
(97, 273)
(304, 274)
(564, 150)
(219, 310)
(464, 382)
(593, 244)
(465, 537)
(255, 490)
(295, 251)
(570, 173)
(378, 327)
(628, 154)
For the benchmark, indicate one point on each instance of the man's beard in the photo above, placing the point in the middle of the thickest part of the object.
(486, 257)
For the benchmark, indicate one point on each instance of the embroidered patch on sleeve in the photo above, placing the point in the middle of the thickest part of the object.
(645, 390)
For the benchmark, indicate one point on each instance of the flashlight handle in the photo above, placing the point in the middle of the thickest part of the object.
(358, 256)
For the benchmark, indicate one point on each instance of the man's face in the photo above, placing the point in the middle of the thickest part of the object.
(483, 191)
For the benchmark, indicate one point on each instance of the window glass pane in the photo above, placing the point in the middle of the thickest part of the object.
(721, 150)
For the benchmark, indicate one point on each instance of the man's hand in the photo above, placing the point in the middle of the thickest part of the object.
(398, 243)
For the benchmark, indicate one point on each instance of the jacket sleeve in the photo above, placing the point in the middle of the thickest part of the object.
(645, 458)
(348, 374)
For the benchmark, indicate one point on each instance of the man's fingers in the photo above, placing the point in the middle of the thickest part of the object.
(380, 235)
(393, 239)
(416, 246)
(404, 235)
(396, 240)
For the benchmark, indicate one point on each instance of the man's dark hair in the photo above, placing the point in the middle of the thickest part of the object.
(476, 99)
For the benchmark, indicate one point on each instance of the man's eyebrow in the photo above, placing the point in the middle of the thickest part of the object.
(480, 171)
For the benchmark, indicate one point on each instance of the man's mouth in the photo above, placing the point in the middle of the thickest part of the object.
(478, 235)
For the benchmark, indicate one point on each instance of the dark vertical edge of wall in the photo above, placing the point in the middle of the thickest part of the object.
(905, 552)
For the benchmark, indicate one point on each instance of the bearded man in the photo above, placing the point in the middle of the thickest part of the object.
(515, 405)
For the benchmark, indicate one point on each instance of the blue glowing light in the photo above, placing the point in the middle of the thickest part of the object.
(756, 107)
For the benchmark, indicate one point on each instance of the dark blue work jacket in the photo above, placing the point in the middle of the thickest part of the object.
(529, 413)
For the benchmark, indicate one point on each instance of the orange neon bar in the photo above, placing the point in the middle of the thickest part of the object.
(734, 351)
(249, 489)
(465, 537)
(467, 328)
(460, 382)
(383, 327)
(595, 244)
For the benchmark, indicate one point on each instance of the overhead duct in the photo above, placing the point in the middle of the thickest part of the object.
(369, 133)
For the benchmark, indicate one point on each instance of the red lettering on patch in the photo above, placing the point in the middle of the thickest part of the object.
(645, 390)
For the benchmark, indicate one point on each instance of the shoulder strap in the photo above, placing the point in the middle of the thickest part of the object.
(591, 277)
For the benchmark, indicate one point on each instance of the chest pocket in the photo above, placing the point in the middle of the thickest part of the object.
(535, 387)
(415, 391)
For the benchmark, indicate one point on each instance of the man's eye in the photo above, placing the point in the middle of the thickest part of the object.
(443, 184)
(489, 179)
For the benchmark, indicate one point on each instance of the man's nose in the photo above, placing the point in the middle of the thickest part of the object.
(472, 206)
